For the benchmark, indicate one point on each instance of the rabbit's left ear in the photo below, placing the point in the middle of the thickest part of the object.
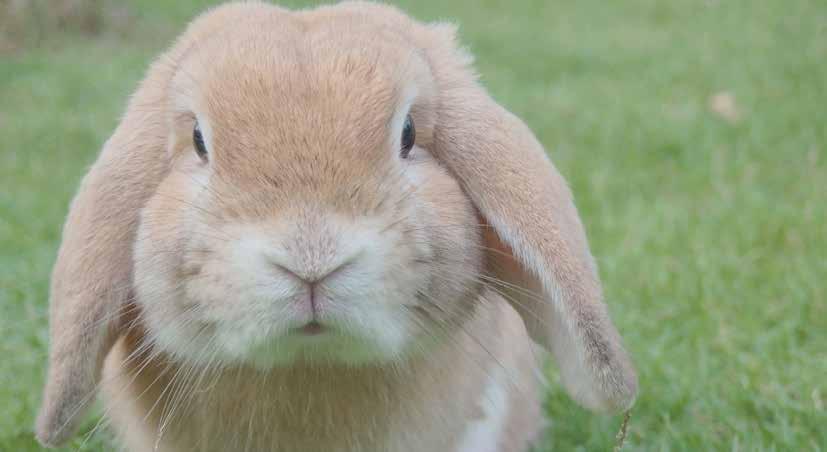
(539, 255)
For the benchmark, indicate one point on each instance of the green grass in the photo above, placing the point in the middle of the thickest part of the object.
(711, 234)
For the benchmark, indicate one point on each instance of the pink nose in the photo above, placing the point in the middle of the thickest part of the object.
(312, 277)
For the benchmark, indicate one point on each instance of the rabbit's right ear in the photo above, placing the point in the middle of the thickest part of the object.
(92, 278)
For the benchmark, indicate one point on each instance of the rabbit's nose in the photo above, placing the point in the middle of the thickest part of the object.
(313, 275)
(319, 246)
(313, 281)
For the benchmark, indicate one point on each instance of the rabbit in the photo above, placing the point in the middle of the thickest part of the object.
(315, 230)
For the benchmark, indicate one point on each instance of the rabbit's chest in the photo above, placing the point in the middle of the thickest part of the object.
(478, 397)
(392, 427)
(187, 410)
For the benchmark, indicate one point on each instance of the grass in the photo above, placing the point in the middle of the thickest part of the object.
(709, 220)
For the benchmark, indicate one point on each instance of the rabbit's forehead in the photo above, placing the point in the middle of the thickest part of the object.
(339, 62)
(311, 82)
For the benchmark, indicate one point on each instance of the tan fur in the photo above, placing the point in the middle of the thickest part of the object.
(320, 86)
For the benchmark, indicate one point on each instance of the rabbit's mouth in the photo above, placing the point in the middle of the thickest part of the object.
(319, 342)
(312, 328)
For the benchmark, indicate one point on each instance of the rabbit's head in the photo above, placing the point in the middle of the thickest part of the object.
(303, 216)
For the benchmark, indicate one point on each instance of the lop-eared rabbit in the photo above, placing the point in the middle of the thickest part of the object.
(315, 231)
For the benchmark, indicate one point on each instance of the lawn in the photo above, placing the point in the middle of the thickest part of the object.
(693, 133)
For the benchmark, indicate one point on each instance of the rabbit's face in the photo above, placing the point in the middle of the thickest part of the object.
(304, 218)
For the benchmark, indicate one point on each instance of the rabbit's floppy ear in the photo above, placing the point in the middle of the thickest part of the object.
(92, 276)
(539, 257)
(91, 280)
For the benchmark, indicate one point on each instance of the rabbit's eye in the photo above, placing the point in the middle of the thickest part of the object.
(198, 142)
(408, 137)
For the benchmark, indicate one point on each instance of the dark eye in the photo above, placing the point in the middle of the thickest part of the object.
(408, 137)
(198, 142)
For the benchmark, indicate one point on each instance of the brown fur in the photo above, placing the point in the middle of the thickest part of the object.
(223, 66)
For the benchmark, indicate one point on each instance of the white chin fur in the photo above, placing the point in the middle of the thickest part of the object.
(332, 347)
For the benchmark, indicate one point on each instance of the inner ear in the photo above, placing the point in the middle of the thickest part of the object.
(509, 278)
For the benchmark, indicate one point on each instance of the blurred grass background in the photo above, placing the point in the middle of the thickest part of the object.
(693, 133)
